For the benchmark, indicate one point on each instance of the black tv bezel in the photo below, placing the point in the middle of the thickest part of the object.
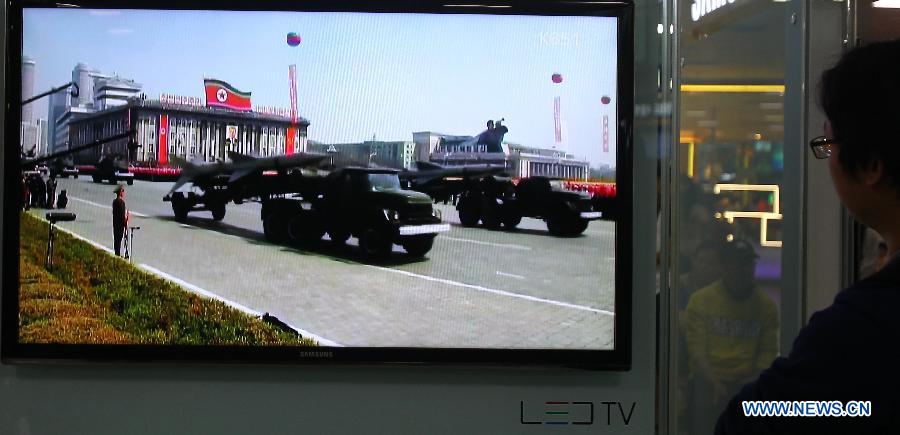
(619, 358)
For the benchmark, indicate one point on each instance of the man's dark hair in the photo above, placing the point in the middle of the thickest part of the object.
(861, 97)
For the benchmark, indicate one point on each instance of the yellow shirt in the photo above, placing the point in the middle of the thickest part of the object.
(738, 339)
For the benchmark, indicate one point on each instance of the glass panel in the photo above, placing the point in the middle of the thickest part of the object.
(727, 219)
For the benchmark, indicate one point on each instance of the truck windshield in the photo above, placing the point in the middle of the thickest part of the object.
(557, 185)
(381, 182)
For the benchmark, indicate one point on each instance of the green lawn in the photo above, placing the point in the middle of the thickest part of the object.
(92, 297)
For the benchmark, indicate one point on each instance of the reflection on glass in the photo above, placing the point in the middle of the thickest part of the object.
(728, 216)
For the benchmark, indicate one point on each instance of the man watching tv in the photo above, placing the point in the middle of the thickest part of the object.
(849, 351)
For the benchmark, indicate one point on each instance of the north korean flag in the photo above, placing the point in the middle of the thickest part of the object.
(221, 94)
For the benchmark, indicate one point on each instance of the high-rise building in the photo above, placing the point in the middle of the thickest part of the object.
(84, 77)
(27, 87)
(113, 91)
(55, 108)
(43, 141)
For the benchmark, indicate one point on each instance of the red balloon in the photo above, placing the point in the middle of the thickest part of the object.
(557, 78)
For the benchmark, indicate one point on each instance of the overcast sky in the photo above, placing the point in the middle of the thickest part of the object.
(358, 75)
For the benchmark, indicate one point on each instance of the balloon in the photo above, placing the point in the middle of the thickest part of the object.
(293, 39)
(605, 99)
(556, 77)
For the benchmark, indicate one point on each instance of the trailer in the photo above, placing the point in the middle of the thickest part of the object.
(498, 203)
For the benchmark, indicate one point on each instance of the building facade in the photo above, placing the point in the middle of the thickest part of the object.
(165, 131)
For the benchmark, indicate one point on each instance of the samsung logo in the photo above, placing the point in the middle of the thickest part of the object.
(316, 354)
(701, 8)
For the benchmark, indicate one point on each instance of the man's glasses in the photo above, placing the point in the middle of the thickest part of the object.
(821, 147)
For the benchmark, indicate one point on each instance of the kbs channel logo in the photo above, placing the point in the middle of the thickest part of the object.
(576, 413)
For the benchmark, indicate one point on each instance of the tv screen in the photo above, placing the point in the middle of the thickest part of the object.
(355, 182)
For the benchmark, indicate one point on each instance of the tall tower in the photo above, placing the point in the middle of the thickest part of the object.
(27, 87)
(82, 76)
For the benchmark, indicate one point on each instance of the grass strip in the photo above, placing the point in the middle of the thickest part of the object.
(92, 297)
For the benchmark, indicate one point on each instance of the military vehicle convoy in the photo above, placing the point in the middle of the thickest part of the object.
(300, 206)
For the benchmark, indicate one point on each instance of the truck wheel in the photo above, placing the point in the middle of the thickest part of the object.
(275, 227)
(130, 181)
(303, 229)
(338, 237)
(468, 212)
(218, 211)
(491, 216)
(418, 246)
(468, 216)
(511, 219)
(374, 244)
(179, 207)
(563, 227)
(96, 178)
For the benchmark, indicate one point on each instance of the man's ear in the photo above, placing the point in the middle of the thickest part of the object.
(873, 173)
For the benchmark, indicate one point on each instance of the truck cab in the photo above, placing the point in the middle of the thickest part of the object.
(365, 203)
(566, 212)
(371, 205)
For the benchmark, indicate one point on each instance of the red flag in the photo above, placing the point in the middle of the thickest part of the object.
(221, 94)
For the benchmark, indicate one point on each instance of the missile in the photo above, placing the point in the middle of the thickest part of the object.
(240, 166)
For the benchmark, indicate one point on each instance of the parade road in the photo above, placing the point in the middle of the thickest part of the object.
(475, 288)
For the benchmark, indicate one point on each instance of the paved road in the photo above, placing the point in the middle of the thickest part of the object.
(476, 288)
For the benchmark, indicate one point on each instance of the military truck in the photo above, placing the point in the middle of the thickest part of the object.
(64, 167)
(366, 203)
(300, 204)
(497, 203)
(112, 168)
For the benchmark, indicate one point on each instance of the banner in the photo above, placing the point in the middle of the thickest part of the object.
(163, 157)
(221, 94)
(291, 131)
(557, 128)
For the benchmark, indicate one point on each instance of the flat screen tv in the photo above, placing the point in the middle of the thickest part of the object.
(323, 181)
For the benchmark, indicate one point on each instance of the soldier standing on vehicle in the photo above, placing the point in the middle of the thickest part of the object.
(121, 216)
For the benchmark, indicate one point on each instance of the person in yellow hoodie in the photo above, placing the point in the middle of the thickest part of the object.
(731, 329)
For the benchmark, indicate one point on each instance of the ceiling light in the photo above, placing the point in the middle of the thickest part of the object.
(894, 4)
(773, 89)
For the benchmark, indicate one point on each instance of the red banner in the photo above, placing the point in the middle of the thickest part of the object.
(289, 141)
(292, 130)
(221, 94)
(163, 158)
